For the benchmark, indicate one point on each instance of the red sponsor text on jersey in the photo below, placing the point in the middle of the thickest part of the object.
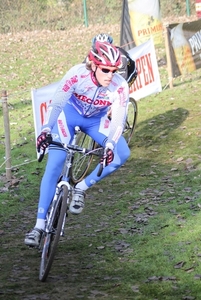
(121, 93)
(98, 102)
(62, 128)
(69, 83)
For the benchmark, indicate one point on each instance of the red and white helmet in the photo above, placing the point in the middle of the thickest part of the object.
(103, 53)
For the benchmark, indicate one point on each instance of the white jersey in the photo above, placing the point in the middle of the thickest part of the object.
(80, 89)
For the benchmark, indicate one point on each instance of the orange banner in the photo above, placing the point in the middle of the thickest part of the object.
(186, 47)
(142, 21)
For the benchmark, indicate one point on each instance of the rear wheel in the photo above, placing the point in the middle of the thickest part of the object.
(81, 163)
(50, 240)
(131, 120)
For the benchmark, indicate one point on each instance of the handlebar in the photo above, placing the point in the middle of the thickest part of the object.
(66, 147)
(97, 152)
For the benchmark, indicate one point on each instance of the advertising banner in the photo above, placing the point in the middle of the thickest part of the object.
(41, 98)
(141, 21)
(148, 80)
(186, 47)
(198, 8)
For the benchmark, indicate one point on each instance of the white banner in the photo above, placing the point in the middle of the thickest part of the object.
(148, 80)
(40, 101)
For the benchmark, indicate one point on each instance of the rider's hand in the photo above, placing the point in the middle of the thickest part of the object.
(43, 140)
(107, 157)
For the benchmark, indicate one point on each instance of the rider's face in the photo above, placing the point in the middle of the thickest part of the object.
(104, 74)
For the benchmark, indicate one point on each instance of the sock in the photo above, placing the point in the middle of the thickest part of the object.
(82, 185)
(40, 224)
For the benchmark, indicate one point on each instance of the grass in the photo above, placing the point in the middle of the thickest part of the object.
(139, 235)
(53, 15)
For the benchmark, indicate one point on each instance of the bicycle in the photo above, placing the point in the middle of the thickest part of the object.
(58, 211)
(81, 165)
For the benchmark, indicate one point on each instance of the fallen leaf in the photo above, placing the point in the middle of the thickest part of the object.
(135, 288)
(189, 270)
(179, 265)
(100, 247)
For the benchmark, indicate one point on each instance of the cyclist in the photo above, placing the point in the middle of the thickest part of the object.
(127, 68)
(84, 95)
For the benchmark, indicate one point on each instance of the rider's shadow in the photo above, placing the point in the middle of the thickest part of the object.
(153, 131)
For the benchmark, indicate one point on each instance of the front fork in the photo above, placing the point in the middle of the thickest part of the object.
(59, 186)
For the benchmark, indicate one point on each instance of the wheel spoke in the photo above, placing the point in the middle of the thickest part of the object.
(81, 163)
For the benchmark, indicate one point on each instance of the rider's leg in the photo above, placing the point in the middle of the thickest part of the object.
(121, 154)
(62, 131)
(47, 189)
(52, 172)
(99, 130)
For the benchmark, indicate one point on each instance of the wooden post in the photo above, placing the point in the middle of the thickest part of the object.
(188, 8)
(85, 13)
(7, 134)
(168, 56)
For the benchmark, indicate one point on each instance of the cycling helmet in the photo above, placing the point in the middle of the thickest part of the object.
(105, 54)
(102, 37)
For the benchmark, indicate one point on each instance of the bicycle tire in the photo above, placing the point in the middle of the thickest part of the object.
(50, 240)
(131, 120)
(82, 163)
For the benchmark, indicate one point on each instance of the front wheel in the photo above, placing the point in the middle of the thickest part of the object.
(50, 238)
(81, 163)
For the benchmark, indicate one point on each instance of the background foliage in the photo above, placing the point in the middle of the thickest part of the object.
(22, 15)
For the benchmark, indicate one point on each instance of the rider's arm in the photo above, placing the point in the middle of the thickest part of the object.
(60, 98)
(119, 111)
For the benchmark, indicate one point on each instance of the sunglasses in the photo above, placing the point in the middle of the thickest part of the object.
(107, 70)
